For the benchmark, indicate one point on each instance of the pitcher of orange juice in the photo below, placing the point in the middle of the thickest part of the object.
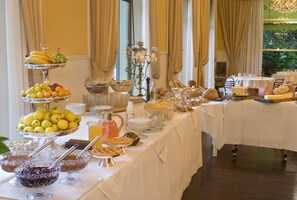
(95, 128)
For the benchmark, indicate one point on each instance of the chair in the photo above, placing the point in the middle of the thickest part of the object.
(277, 83)
(229, 83)
(219, 82)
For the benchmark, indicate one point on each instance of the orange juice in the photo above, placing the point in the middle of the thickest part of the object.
(95, 130)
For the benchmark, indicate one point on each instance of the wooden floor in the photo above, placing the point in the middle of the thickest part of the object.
(256, 174)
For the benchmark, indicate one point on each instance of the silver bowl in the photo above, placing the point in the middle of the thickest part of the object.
(122, 85)
(97, 88)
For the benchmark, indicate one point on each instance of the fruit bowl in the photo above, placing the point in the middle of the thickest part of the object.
(46, 100)
(96, 86)
(44, 66)
(122, 85)
(48, 135)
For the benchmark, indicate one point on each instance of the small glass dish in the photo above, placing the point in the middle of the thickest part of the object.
(37, 175)
(11, 160)
(71, 164)
(21, 143)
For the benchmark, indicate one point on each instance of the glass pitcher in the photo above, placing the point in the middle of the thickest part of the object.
(96, 128)
(106, 118)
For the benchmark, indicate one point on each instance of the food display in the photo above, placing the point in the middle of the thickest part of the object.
(210, 94)
(253, 91)
(119, 141)
(140, 123)
(121, 85)
(161, 93)
(239, 91)
(133, 136)
(108, 151)
(43, 91)
(192, 92)
(43, 121)
(37, 175)
(279, 96)
(21, 144)
(41, 57)
(11, 160)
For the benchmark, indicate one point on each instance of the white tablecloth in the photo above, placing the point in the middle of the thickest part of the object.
(253, 82)
(261, 124)
(289, 77)
(161, 167)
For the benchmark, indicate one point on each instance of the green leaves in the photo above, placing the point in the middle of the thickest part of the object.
(3, 147)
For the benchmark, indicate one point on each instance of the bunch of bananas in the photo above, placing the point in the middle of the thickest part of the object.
(40, 57)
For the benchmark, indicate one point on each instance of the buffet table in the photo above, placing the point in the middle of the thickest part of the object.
(249, 122)
(253, 82)
(160, 167)
(289, 77)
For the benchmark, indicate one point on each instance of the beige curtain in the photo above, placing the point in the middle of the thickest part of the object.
(32, 15)
(104, 37)
(250, 57)
(154, 27)
(201, 22)
(234, 16)
(175, 48)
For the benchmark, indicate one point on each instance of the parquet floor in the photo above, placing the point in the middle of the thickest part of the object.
(257, 174)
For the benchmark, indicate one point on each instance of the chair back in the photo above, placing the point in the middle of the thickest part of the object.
(229, 83)
(277, 83)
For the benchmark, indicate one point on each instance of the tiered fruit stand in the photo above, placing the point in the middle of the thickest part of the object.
(46, 101)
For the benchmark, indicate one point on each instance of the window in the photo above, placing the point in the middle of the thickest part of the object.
(126, 27)
(279, 41)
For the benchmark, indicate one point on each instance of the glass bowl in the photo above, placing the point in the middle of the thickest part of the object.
(37, 175)
(122, 85)
(71, 164)
(140, 124)
(11, 160)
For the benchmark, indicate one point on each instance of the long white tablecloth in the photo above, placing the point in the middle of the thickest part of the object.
(161, 167)
(249, 122)
(253, 82)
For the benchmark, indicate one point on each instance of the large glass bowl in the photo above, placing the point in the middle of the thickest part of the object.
(37, 175)
(71, 164)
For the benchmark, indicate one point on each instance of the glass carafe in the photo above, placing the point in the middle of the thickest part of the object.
(96, 128)
(106, 119)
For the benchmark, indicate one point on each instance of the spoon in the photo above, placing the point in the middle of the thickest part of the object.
(41, 147)
(64, 155)
(89, 145)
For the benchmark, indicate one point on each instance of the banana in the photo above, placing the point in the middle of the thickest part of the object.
(43, 55)
(36, 60)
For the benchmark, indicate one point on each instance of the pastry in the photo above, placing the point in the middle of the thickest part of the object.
(107, 151)
(121, 141)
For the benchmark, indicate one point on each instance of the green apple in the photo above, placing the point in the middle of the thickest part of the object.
(55, 127)
(39, 95)
(37, 85)
(22, 119)
(33, 95)
(62, 124)
(62, 116)
(72, 125)
(66, 112)
(42, 109)
(43, 86)
(35, 123)
(49, 130)
(55, 110)
(55, 118)
(28, 119)
(70, 117)
(77, 119)
(23, 93)
(38, 129)
(28, 129)
(47, 116)
(46, 123)
(21, 127)
(39, 115)
(37, 89)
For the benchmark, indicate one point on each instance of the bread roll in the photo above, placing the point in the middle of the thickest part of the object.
(210, 94)
(265, 91)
